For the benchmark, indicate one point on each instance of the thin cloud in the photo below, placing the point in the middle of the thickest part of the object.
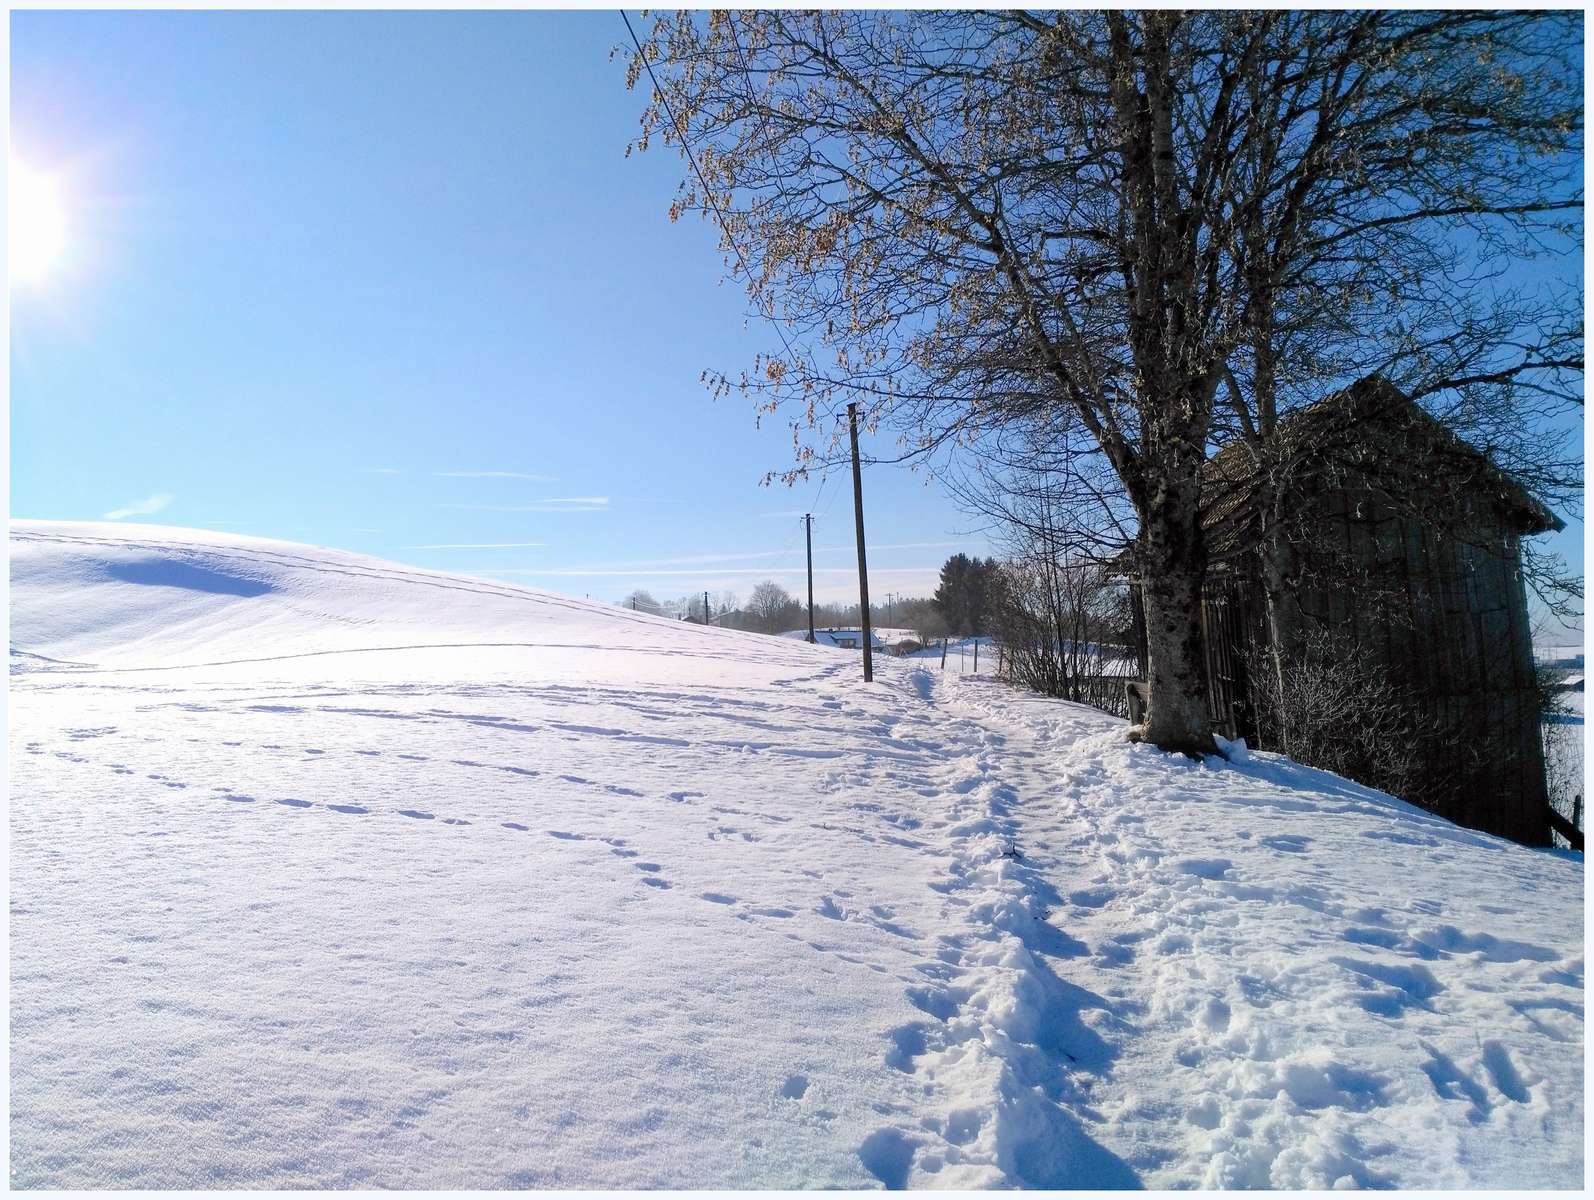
(558, 504)
(794, 554)
(892, 546)
(766, 572)
(496, 475)
(141, 508)
(693, 560)
(476, 546)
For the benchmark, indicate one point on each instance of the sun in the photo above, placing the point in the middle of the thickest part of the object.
(37, 223)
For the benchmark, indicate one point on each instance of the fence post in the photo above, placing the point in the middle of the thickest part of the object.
(943, 654)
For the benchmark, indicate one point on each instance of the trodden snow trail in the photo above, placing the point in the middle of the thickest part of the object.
(327, 873)
(1294, 981)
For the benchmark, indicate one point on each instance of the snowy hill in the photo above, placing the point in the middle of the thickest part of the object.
(329, 872)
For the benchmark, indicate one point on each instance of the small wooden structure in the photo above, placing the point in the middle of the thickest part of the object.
(1405, 545)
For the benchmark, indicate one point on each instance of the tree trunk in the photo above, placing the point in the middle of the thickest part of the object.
(1173, 567)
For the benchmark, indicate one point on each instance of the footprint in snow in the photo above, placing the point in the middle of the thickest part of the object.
(795, 1087)
(353, 809)
(907, 1043)
(1204, 868)
(1288, 843)
(888, 1155)
(512, 825)
(419, 816)
(292, 803)
(656, 882)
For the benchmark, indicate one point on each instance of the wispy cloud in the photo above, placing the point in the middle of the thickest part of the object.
(682, 573)
(496, 475)
(476, 546)
(693, 560)
(873, 547)
(141, 508)
(557, 504)
(379, 471)
(793, 555)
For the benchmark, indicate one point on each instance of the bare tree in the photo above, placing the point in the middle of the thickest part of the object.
(642, 600)
(987, 218)
(1056, 621)
(772, 607)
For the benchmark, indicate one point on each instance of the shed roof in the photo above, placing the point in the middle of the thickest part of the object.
(1374, 433)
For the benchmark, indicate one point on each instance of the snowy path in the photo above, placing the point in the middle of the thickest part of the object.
(527, 892)
(1310, 986)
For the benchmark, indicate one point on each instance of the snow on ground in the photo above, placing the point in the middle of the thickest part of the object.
(329, 872)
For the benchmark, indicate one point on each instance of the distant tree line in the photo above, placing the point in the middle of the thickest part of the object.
(961, 606)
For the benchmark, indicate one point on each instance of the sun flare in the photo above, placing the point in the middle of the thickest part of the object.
(37, 223)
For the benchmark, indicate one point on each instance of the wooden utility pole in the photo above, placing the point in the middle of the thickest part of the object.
(808, 533)
(863, 565)
(705, 608)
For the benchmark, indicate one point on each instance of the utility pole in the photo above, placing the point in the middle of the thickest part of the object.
(808, 534)
(863, 565)
(705, 608)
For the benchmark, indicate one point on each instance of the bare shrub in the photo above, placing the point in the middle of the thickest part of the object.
(1057, 622)
(1339, 712)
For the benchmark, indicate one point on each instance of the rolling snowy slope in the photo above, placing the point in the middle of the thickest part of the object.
(331, 872)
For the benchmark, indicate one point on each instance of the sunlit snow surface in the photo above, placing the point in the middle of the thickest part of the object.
(329, 872)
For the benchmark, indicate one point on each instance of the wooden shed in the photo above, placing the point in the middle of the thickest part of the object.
(1404, 561)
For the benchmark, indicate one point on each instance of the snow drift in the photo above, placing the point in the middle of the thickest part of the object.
(332, 872)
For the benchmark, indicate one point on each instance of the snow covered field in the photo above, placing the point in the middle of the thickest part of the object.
(330, 872)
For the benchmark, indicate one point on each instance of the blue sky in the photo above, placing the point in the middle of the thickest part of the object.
(388, 283)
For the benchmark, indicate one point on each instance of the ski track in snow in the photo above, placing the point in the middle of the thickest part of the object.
(702, 910)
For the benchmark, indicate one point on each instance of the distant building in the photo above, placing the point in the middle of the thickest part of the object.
(1408, 560)
(845, 639)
